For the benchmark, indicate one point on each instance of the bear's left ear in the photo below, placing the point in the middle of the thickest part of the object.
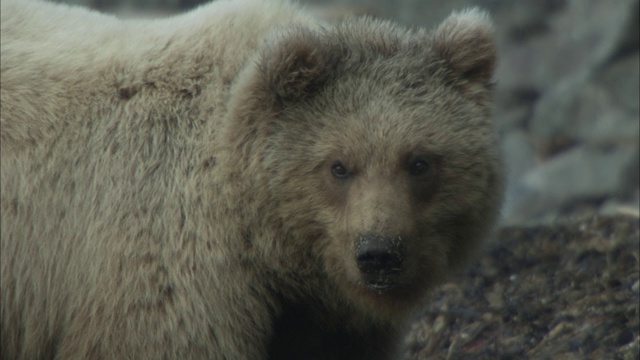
(465, 43)
(293, 66)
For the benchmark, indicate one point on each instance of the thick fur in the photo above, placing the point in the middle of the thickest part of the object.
(167, 186)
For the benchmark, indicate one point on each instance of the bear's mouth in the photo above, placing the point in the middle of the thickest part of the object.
(380, 284)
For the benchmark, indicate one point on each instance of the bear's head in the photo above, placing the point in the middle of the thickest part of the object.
(377, 149)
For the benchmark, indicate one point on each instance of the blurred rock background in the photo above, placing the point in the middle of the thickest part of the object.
(567, 100)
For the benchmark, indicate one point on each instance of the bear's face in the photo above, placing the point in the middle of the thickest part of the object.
(403, 181)
(382, 193)
(378, 150)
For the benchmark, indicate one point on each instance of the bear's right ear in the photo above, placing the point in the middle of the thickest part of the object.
(464, 42)
(293, 66)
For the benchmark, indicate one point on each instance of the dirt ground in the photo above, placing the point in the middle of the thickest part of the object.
(567, 291)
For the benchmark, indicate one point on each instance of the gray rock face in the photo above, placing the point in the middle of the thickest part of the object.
(595, 107)
(584, 173)
(584, 124)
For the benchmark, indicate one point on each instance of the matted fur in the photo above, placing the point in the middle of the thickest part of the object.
(167, 189)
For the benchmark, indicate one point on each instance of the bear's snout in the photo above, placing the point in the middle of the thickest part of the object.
(379, 258)
(378, 254)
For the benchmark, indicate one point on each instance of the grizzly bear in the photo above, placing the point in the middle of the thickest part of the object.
(243, 181)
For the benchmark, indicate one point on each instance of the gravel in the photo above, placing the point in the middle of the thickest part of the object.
(564, 291)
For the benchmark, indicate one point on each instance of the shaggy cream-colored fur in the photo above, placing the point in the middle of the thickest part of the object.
(208, 186)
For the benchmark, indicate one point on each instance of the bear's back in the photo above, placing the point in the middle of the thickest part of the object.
(65, 65)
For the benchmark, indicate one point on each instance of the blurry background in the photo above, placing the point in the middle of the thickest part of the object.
(567, 101)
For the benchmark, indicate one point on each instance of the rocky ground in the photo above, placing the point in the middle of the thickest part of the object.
(560, 280)
(564, 291)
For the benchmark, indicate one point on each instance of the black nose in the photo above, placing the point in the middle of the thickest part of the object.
(379, 254)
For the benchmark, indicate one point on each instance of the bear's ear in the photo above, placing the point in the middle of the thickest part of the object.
(293, 66)
(465, 43)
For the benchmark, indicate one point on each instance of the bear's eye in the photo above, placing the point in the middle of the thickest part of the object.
(339, 171)
(418, 167)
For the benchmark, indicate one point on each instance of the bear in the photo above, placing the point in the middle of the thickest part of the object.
(242, 181)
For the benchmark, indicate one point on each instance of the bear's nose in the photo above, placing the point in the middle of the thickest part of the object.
(379, 254)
